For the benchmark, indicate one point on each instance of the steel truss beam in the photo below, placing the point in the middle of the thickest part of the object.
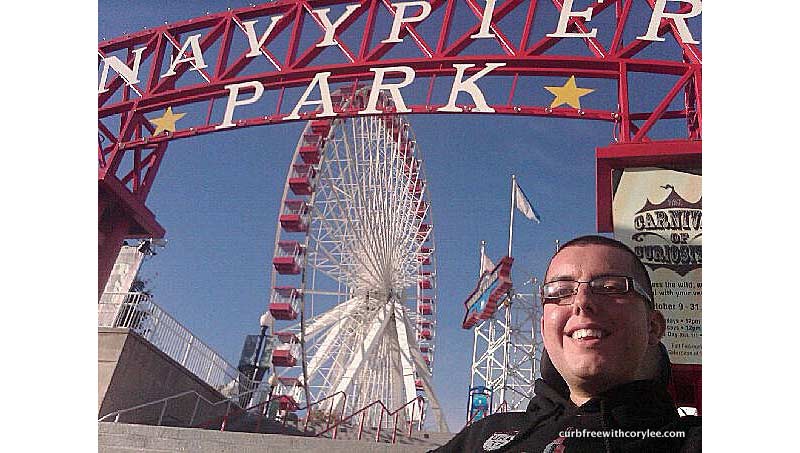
(524, 351)
(294, 60)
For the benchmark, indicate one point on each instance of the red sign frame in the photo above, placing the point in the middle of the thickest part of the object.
(687, 380)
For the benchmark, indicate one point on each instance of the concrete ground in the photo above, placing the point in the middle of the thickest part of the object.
(128, 438)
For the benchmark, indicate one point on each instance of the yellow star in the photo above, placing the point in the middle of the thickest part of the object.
(568, 94)
(167, 121)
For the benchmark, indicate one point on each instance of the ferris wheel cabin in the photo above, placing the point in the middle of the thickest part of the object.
(301, 180)
(286, 353)
(294, 218)
(288, 258)
(321, 127)
(285, 303)
(311, 150)
(424, 330)
(289, 391)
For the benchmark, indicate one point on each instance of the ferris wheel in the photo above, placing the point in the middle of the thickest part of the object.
(353, 281)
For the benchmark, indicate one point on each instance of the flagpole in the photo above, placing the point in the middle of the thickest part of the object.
(511, 222)
(483, 254)
(507, 301)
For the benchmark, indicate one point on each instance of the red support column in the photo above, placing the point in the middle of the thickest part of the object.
(113, 227)
(121, 215)
(686, 386)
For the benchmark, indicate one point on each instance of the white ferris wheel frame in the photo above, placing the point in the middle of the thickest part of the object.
(367, 250)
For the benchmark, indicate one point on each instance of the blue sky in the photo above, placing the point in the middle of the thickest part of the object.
(218, 197)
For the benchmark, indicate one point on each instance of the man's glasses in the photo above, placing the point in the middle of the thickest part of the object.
(561, 291)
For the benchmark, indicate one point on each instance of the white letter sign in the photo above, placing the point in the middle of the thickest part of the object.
(680, 21)
(394, 88)
(196, 58)
(469, 86)
(400, 18)
(485, 22)
(129, 75)
(255, 44)
(330, 28)
(563, 20)
(233, 93)
(327, 105)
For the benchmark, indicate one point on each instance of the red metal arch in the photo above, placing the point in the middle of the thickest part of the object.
(165, 63)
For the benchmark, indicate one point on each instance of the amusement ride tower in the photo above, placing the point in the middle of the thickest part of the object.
(507, 348)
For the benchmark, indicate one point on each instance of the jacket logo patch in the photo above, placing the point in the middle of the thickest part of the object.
(556, 446)
(498, 440)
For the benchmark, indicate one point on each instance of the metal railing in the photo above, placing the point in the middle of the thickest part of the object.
(418, 401)
(137, 312)
(233, 400)
(331, 421)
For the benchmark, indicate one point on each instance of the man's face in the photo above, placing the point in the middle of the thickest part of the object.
(626, 327)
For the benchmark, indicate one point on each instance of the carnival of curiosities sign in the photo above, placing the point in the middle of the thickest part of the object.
(658, 213)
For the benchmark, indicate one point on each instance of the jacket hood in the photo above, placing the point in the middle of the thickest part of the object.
(557, 390)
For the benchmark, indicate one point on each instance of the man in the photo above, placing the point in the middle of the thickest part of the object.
(604, 370)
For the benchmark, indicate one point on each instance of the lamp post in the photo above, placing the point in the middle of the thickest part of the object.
(265, 321)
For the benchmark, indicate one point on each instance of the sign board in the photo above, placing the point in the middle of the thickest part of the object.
(492, 286)
(658, 214)
(247, 360)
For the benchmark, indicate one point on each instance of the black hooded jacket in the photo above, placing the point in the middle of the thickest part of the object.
(605, 423)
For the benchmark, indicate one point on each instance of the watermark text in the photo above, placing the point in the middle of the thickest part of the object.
(644, 434)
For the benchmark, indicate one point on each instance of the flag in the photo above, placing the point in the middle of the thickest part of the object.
(486, 264)
(524, 205)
